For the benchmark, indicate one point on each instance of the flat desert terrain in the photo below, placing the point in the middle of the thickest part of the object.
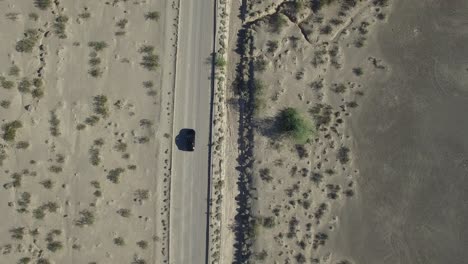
(376, 170)
(85, 140)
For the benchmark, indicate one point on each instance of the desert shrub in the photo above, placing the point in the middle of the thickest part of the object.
(22, 145)
(124, 212)
(154, 15)
(54, 124)
(100, 105)
(114, 175)
(54, 246)
(24, 86)
(37, 93)
(9, 130)
(86, 218)
(343, 155)
(48, 183)
(42, 261)
(92, 120)
(276, 22)
(39, 213)
(5, 104)
(12, 16)
(97, 193)
(99, 142)
(42, 4)
(94, 156)
(292, 124)
(95, 72)
(55, 169)
(25, 199)
(60, 26)
(146, 49)
(24, 260)
(120, 146)
(85, 15)
(359, 42)
(80, 126)
(349, 193)
(138, 260)
(220, 61)
(132, 167)
(28, 42)
(17, 233)
(14, 70)
(260, 64)
(33, 16)
(268, 222)
(50, 206)
(37, 82)
(97, 45)
(358, 71)
(6, 84)
(262, 255)
(265, 174)
(316, 177)
(143, 140)
(119, 241)
(150, 62)
(122, 23)
(380, 3)
(327, 29)
(142, 244)
(272, 46)
(94, 61)
(141, 195)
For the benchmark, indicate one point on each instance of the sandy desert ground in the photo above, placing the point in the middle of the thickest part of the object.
(85, 131)
(382, 177)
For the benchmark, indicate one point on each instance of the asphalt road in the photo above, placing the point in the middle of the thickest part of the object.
(189, 180)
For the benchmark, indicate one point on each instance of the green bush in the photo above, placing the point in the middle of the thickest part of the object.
(9, 130)
(277, 22)
(293, 125)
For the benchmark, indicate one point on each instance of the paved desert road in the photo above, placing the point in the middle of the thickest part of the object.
(189, 180)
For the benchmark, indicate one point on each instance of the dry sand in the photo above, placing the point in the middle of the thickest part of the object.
(410, 142)
(58, 205)
(387, 81)
(309, 62)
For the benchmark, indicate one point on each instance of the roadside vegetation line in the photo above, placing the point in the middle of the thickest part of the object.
(176, 6)
(218, 128)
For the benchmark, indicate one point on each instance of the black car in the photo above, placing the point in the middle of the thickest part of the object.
(186, 139)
